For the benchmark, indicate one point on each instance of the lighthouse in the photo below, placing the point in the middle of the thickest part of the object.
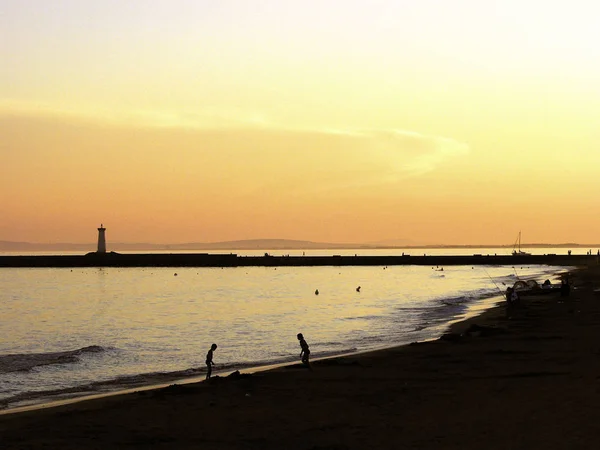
(101, 240)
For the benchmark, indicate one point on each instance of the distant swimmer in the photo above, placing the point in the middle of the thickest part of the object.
(305, 352)
(358, 289)
(209, 360)
(317, 292)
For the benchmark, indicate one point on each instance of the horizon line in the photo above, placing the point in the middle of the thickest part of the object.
(347, 245)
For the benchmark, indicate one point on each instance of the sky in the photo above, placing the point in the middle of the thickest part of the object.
(173, 121)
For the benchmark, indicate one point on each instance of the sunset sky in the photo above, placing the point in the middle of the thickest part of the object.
(171, 121)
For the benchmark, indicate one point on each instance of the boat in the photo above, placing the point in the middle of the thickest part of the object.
(517, 247)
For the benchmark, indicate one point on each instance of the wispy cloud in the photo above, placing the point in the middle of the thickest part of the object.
(419, 153)
(269, 155)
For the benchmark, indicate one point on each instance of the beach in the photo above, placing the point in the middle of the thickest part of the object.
(523, 378)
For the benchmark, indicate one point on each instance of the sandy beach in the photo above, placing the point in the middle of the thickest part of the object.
(526, 378)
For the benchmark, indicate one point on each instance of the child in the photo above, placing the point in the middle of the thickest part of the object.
(305, 353)
(209, 360)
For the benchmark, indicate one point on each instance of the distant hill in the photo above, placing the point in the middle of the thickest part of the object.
(261, 244)
(251, 244)
(402, 243)
(9, 246)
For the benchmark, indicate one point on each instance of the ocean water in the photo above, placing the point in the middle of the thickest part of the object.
(72, 332)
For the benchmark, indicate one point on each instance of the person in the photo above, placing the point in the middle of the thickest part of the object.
(209, 360)
(305, 352)
(565, 287)
(514, 297)
(510, 306)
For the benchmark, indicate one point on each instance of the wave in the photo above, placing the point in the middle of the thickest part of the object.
(141, 380)
(446, 309)
(470, 297)
(22, 362)
(98, 387)
(368, 317)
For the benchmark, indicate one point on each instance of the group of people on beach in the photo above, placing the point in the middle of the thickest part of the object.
(304, 355)
(512, 296)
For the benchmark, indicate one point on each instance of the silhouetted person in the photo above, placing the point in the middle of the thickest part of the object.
(209, 360)
(317, 292)
(508, 294)
(305, 352)
(514, 297)
(565, 288)
(510, 306)
(358, 289)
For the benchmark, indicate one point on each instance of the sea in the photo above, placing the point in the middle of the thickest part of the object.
(67, 333)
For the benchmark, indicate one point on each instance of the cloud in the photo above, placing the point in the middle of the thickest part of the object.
(248, 147)
(361, 158)
(411, 153)
(313, 161)
(208, 118)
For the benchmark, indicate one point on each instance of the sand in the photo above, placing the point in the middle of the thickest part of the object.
(523, 379)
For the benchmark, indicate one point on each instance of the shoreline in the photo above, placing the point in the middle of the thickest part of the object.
(482, 306)
(523, 379)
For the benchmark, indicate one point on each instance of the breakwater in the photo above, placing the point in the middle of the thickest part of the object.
(233, 260)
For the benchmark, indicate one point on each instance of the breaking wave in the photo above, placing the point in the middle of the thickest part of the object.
(469, 297)
(139, 380)
(446, 309)
(26, 361)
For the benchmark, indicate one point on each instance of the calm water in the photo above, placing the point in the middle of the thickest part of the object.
(70, 332)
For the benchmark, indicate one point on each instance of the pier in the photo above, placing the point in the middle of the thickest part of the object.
(112, 259)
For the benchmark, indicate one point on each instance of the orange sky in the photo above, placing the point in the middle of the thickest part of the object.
(181, 121)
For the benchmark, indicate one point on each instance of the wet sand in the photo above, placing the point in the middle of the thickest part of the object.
(521, 379)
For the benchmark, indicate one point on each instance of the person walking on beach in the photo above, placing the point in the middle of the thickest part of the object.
(209, 360)
(305, 352)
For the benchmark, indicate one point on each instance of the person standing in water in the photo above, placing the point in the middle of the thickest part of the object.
(209, 360)
(305, 352)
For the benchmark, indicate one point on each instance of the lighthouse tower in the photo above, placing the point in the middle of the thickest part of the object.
(101, 240)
